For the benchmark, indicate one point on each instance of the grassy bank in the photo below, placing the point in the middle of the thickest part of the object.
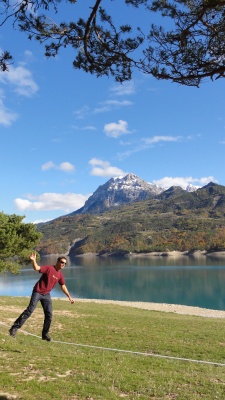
(32, 368)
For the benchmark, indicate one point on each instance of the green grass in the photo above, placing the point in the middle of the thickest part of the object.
(34, 369)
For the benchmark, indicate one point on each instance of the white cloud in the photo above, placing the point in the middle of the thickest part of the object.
(48, 165)
(82, 112)
(126, 88)
(96, 161)
(64, 166)
(28, 53)
(7, 117)
(115, 130)
(169, 181)
(67, 202)
(38, 221)
(84, 128)
(117, 103)
(206, 180)
(157, 139)
(89, 128)
(108, 105)
(20, 78)
(103, 168)
(146, 143)
(104, 106)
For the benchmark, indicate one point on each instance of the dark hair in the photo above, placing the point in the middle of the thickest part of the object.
(61, 258)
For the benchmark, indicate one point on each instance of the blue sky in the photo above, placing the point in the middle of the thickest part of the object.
(64, 132)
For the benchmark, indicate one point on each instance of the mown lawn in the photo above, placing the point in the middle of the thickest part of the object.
(64, 370)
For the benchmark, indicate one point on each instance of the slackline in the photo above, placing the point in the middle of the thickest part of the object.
(125, 351)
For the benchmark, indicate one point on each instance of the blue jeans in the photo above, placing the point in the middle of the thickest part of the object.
(46, 303)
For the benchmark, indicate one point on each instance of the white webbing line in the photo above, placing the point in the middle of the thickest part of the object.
(125, 351)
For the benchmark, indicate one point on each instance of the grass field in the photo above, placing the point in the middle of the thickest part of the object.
(61, 370)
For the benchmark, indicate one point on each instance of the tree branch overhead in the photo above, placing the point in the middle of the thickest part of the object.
(186, 47)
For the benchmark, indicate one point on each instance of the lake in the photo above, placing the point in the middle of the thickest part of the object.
(188, 281)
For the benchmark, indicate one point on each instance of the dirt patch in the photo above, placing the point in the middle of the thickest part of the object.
(65, 313)
(29, 374)
(174, 308)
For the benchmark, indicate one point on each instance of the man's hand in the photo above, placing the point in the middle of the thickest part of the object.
(33, 257)
(65, 290)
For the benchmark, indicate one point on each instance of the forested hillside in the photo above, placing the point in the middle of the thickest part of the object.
(174, 220)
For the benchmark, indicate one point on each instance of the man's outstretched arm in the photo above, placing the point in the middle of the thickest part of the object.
(35, 266)
(65, 290)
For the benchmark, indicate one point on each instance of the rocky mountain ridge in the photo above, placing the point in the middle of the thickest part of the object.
(122, 190)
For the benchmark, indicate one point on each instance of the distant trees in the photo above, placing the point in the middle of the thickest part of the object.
(115, 233)
(186, 46)
(17, 241)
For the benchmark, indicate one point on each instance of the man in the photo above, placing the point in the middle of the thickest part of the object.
(51, 274)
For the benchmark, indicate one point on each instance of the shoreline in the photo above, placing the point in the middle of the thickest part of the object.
(162, 307)
(194, 254)
(174, 253)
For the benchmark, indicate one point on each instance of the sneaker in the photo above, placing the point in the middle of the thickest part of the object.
(12, 332)
(46, 337)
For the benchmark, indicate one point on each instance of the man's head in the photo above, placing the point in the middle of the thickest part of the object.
(61, 262)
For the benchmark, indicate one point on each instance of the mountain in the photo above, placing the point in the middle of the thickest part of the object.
(172, 191)
(191, 188)
(171, 220)
(119, 191)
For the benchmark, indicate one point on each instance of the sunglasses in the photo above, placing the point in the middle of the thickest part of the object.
(62, 262)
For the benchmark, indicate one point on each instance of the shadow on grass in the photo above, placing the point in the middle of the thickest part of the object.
(5, 397)
(9, 351)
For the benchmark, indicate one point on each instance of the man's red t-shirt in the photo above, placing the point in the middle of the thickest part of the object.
(50, 276)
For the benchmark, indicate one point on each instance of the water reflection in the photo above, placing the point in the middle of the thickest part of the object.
(189, 281)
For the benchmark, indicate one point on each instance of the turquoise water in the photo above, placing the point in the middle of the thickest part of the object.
(188, 281)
